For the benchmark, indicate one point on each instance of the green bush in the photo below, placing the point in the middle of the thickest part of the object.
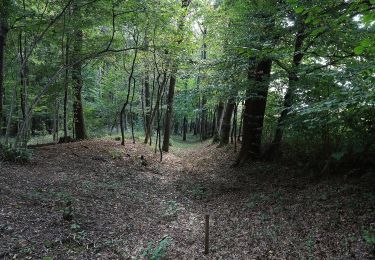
(15, 154)
(157, 252)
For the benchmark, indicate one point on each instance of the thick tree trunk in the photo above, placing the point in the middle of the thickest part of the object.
(218, 121)
(79, 121)
(169, 112)
(204, 132)
(9, 122)
(255, 107)
(227, 120)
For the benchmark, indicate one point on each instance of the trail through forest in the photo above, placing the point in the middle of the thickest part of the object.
(98, 200)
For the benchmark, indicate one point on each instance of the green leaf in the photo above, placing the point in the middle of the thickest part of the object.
(299, 10)
(359, 50)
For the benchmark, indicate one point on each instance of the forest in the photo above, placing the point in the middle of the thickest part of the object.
(187, 129)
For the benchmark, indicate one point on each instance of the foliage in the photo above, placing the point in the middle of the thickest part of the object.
(158, 251)
(15, 154)
(326, 47)
(369, 236)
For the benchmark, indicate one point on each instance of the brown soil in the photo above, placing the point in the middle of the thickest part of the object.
(121, 204)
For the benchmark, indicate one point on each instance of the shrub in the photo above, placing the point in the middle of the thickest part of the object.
(15, 154)
(157, 252)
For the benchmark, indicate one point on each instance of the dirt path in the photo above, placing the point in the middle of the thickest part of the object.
(122, 205)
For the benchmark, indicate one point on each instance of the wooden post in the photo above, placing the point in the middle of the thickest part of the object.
(207, 234)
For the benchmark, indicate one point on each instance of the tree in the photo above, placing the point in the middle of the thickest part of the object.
(4, 5)
(172, 81)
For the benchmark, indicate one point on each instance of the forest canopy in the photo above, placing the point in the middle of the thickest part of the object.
(280, 78)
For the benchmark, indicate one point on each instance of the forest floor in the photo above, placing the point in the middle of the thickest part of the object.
(124, 207)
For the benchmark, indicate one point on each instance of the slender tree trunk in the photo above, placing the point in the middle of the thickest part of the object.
(122, 112)
(226, 124)
(289, 96)
(255, 107)
(176, 126)
(234, 124)
(147, 105)
(56, 121)
(66, 84)
(172, 84)
(23, 132)
(3, 34)
(235, 127)
(131, 112)
(79, 121)
(184, 129)
(196, 126)
(241, 123)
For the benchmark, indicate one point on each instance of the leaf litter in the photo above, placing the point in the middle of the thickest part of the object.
(120, 202)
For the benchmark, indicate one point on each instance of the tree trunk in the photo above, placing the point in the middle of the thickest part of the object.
(172, 84)
(55, 134)
(23, 133)
(176, 126)
(255, 107)
(79, 121)
(169, 112)
(226, 124)
(3, 33)
(122, 112)
(218, 121)
(131, 112)
(147, 108)
(241, 123)
(204, 133)
(9, 122)
(66, 84)
(289, 96)
(184, 129)
(147, 99)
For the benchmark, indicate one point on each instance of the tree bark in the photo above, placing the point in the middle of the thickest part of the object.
(218, 121)
(3, 35)
(184, 129)
(227, 120)
(169, 112)
(147, 108)
(289, 96)
(255, 107)
(66, 81)
(172, 84)
(79, 121)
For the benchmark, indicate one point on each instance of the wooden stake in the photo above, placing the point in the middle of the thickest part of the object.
(207, 234)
